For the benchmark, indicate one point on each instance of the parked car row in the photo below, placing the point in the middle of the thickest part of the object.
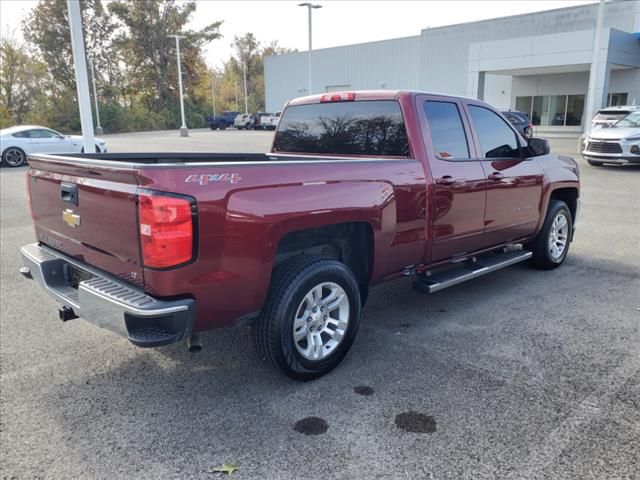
(244, 121)
(19, 141)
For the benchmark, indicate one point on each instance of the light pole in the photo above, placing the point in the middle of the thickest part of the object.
(309, 6)
(184, 132)
(244, 73)
(95, 99)
(82, 83)
(236, 92)
(213, 95)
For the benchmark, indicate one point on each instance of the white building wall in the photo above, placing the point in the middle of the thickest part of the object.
(574, 83)
(626, 81)
(386, 64)
(439, 60)
(498, 90)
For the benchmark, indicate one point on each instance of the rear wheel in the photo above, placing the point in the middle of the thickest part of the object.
(551, 246)
(595, 164)
(14, 157)
(310, 318)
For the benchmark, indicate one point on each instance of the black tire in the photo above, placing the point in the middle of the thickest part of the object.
(595, 164)
(14, 157)
(542, 258)
(239, 127)
(290, 283)
(223, 126)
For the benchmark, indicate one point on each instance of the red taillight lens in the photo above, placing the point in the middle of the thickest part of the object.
(338, 97)
(166, 230)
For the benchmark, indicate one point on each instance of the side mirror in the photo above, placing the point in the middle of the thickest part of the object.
(538, 146)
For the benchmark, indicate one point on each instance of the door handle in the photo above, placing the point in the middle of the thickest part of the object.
(446, 180)
(69, 193)
(496, 176)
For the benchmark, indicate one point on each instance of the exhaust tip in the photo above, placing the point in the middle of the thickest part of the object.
(194, 345)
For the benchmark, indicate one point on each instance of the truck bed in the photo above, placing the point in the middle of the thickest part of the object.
(151, 158)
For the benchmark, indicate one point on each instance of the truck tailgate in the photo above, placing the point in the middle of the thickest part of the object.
(88, 212)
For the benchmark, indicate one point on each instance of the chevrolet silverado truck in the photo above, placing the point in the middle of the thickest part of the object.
(359, 188)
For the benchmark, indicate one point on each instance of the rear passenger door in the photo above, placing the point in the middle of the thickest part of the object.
(514, 182)
(458, 194)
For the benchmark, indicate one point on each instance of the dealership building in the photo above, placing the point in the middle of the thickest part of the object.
(546, 64)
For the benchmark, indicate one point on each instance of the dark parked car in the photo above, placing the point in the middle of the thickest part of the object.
(520, 121)
(222, 121)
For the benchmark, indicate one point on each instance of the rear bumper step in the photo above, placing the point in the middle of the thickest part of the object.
(109, 303)
(469, 271)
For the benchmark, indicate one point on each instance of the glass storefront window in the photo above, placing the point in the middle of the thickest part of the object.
(615, 99)
(575, 110)
(557, 109)
(537, 110)
(523, 104)
(553, 110)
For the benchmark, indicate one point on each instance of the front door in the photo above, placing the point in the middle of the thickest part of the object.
(514, 182)
(47, 141)
(458, 194)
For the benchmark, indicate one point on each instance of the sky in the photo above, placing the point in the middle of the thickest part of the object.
(336, 23)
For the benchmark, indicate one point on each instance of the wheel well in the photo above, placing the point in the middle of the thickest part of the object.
(568, 196)
(350, 243)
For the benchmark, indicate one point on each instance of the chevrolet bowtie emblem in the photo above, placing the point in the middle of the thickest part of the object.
(70, 218)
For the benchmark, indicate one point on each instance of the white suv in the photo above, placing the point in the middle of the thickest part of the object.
(620, 143)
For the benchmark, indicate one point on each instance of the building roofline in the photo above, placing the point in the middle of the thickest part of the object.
(508, 17)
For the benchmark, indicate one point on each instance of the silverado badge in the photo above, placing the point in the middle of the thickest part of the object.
(70, 218)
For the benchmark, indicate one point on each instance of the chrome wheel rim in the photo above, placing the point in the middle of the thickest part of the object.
(14, 157)
(321, 321)
(559, 236)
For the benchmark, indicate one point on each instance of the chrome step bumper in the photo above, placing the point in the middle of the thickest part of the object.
(470, 270)
(107, 302)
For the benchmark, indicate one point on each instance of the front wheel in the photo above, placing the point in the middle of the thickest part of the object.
(551, 245)
(14, 157)
(311, 316)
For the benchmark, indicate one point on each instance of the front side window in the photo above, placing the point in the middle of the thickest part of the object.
(368, 128)
(42, 133)
(447, 132)
(497, 140)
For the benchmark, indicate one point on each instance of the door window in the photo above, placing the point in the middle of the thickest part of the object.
(447, 132)
(497, 139)
(42, 133)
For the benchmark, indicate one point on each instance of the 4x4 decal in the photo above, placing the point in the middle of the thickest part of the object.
(204, 178)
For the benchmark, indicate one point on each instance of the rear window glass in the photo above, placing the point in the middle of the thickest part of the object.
(343, 128)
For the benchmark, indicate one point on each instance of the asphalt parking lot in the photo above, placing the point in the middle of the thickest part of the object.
(523, 374)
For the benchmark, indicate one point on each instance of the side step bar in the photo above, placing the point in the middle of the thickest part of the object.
(470, 270)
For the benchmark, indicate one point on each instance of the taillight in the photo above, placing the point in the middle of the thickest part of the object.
(338, 97)
(166, 230)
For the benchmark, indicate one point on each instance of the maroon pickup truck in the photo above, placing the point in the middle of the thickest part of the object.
(359, 188)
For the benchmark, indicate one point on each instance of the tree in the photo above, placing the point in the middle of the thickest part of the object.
(47, 28)
(151, 55)
(21, 81)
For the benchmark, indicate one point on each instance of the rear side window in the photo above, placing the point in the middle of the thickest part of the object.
(497, 140)
(343, 128)
(447, 132)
